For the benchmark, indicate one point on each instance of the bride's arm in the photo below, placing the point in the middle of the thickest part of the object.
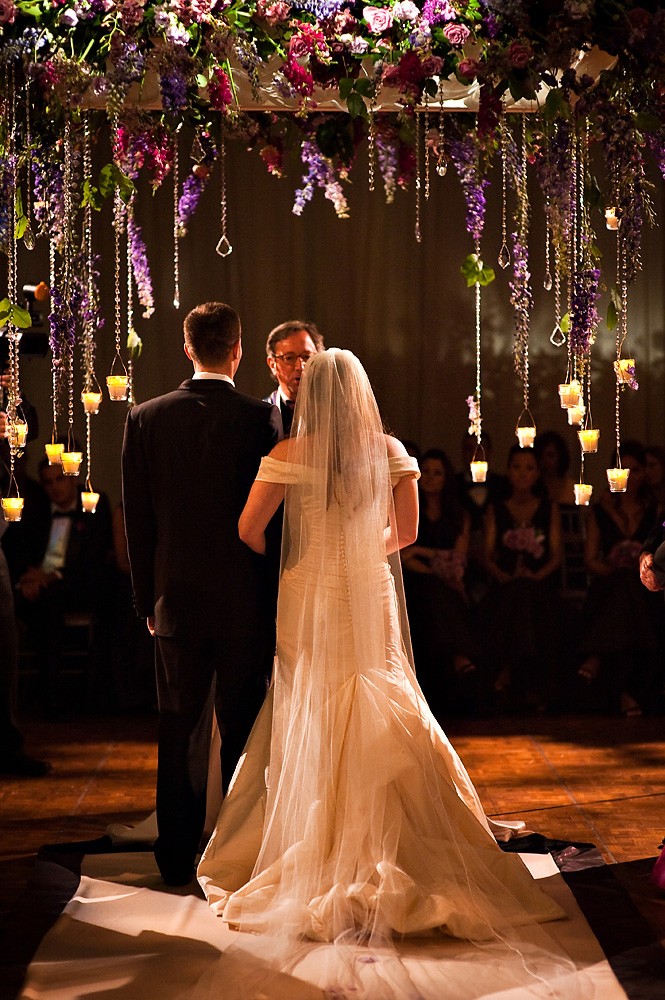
(262, 502)
(403, 527)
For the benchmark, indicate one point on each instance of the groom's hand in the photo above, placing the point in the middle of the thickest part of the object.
(150, 622)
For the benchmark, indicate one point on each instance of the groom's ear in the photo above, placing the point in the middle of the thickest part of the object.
(186, 349)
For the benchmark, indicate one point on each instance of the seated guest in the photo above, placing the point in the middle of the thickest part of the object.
(519, 613)
(70, 553)
(475, 499)
(621, 640)
(443, 648)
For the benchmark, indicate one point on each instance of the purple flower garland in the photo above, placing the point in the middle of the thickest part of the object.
(464, 154)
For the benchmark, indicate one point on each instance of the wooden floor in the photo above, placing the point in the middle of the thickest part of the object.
(590, 779)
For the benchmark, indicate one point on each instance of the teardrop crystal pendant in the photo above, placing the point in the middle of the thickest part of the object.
(442, 166)
(557, 337)
(28, 238)
(547, 282)
(223, 248)
(504, 256)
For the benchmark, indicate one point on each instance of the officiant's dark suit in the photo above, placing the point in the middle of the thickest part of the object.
(189, 460)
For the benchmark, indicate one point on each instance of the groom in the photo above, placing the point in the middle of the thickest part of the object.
(189, 459)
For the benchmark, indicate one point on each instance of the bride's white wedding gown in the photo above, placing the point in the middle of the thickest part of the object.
(350, 815)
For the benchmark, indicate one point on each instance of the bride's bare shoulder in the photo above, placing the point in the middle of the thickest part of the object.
(394, 447)
(281, 451)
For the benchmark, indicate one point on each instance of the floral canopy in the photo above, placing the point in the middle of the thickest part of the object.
(570, 92)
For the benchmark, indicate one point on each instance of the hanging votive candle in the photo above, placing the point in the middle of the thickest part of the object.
(625, 369)
(582, 494)
(569, 393)
(54, 453)
(71, 462)
(618, 480)
(479, 471)
(12, 508)
(611, 218)
(576, 414)
(117, 386)
(17, 433)
(589, 440)
(89, 501)
(91, 401)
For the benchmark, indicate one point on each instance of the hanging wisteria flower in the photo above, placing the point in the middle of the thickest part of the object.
(388, 159)
(320, 173)
(584, 316)
(521, 298)
(475, 419)
(140, 267)
(464, 154)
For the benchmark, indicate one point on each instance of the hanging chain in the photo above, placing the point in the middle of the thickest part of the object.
(176, 225)
(371, 148)
(117, 226)
(28, 233)
(223, 248)
(418, 168)
(427, 148)
(504, 252)
(441, 161)
(478, 382)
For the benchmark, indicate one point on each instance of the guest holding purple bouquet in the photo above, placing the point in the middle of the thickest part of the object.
(439, 614)
(523, 551)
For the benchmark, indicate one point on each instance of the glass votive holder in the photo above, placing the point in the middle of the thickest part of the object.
(583, 494)
(625, 369)
(479, 472)
(618, 480)
(71, 462)
(17, 433)
(576, 415)
(611, 218)
(569, 393)
(589, 440)
(89, 501)
(12, 508)
(91, 401)
(54, 453)
(117, 386)
(526, 436)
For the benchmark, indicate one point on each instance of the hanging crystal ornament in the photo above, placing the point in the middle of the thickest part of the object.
(176, 224)
(418, 168)
(12, 506)
(504, 252)
(70, 458)
(91, 396)
(117, 382)
(479, 461)
(525, 428)
(547, 280)
(371, 148)
(557, 336)
(223, 247)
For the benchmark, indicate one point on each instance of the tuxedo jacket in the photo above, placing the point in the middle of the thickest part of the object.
(189, 460)
(285, 414)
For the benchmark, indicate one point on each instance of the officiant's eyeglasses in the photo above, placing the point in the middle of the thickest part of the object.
(290, 360)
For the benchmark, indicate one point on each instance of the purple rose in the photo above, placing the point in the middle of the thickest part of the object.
(456, 34)
(468, 68)
(377, 19)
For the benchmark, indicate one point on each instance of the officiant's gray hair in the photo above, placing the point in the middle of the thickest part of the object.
(285, 330)
(211, 330)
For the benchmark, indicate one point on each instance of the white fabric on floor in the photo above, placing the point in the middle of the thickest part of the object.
(125, 936)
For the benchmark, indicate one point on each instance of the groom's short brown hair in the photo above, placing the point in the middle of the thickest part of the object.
(211, 330)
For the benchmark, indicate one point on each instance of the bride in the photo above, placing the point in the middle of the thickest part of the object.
(350, 817)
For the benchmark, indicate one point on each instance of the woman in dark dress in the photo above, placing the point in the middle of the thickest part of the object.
(621, 618)
(523, 552)
(443, 648)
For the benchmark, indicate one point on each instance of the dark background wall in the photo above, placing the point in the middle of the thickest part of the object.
(401, 306)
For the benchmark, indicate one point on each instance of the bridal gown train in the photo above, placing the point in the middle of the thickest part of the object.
(350, 816)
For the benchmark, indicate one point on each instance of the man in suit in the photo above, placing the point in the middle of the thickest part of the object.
(288, 347)
(189, 460)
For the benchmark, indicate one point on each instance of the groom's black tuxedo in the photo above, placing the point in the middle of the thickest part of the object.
(189, 460)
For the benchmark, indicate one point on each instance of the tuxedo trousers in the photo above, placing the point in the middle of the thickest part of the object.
(195, 676)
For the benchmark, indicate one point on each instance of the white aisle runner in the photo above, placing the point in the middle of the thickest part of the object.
(125, 936)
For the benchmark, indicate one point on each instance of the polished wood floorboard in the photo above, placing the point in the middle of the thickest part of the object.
(599, 780)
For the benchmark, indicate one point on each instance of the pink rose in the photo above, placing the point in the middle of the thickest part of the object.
(468, 68)
(456, 34)
(298, 47)
(378, 19)
(8, 12)
(519, 54)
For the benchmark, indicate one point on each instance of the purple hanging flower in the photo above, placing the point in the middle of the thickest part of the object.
(320, 173)
(173, 88)
(140, 267)
(388, 159)
(521, 298)
(464, 155)
(584, 316)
